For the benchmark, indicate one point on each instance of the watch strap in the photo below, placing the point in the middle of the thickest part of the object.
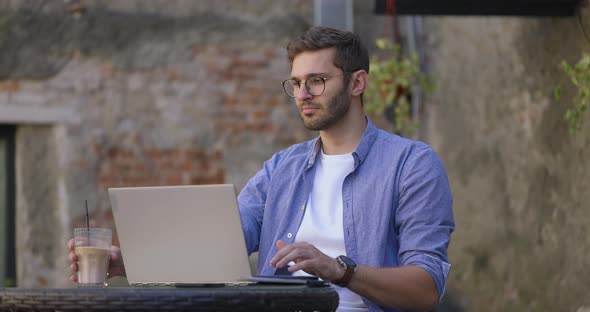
(348, 271)
(345, 279)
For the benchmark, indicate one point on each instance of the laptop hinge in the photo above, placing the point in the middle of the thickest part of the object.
(152, 284)
(242, 283)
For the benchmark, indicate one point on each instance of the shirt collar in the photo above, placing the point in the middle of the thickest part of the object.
(359, 154)
(316, 147)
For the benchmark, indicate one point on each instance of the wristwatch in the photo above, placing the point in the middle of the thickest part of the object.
(349, 268)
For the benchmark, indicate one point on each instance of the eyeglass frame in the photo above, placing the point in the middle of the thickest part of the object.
(307, 86)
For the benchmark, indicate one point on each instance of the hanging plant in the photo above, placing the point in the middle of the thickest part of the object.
(579, 76)
(389, 89)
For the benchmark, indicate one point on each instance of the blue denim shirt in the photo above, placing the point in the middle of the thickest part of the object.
(397, 205)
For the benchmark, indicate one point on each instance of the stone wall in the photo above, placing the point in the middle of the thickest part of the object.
(134, 93)
(520, 181)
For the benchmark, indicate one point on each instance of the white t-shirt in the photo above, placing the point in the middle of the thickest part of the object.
(322, 224)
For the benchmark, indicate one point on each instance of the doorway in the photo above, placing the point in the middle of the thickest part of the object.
(7, 207)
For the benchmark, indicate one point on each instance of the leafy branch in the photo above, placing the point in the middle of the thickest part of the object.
(390, 83)
(579, 75)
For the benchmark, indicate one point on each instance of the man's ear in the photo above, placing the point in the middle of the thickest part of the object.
(358, 82)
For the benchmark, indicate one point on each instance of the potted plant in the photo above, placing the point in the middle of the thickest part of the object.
(391, 77)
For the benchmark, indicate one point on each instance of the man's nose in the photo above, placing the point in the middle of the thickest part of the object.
(303, 94)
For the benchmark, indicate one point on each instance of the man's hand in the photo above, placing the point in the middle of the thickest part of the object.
(116, 267)
(307, 258)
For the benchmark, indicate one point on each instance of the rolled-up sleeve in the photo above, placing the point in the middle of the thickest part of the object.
(438, 269)
(424, 216)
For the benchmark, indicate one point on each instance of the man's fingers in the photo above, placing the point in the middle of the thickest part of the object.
(306, 265)
(300, 265)
(283, 251)
(72, 256)
(281, 255)
(295, 255)
(303, 251)
(280, 244)
(115, 253)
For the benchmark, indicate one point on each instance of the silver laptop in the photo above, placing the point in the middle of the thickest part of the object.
(180, 235)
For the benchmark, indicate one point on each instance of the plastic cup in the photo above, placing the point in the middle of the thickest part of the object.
(93, 249)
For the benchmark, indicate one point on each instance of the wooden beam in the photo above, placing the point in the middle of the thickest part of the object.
(483, 7)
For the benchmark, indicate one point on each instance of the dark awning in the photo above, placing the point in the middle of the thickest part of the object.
(482, 7)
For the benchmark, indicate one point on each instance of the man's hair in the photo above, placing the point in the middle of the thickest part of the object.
(351, 54)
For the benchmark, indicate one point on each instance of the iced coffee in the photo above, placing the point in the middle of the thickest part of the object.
(92, 246)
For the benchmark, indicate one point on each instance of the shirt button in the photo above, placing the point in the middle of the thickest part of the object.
(289, 235)
(303, 207)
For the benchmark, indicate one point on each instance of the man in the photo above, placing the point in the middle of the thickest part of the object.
(365, 209)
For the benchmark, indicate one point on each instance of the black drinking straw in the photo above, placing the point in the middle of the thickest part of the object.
(87, 222)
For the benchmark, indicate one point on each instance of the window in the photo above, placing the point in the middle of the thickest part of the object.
(7, 203)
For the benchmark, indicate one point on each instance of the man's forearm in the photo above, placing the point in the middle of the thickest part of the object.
(408, 287)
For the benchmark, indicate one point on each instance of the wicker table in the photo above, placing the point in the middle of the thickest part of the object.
(239, 298)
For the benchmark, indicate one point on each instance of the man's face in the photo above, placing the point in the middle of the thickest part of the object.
(320, 112)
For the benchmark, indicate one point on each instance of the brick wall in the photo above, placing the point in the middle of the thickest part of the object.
(146, 167)
(190, 95)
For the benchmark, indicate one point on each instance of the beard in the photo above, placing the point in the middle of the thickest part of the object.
(329, 114)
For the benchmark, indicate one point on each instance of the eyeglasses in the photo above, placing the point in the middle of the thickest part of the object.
(314, 85)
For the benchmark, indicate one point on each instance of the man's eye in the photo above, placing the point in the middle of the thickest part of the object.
(316, 81)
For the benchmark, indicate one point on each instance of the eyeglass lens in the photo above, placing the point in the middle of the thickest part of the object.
(315, 86)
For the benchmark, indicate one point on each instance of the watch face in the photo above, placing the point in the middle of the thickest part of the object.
(348, 262)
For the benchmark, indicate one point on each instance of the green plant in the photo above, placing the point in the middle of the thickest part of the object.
(579, 75)
(389, 86)
(9, 282)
